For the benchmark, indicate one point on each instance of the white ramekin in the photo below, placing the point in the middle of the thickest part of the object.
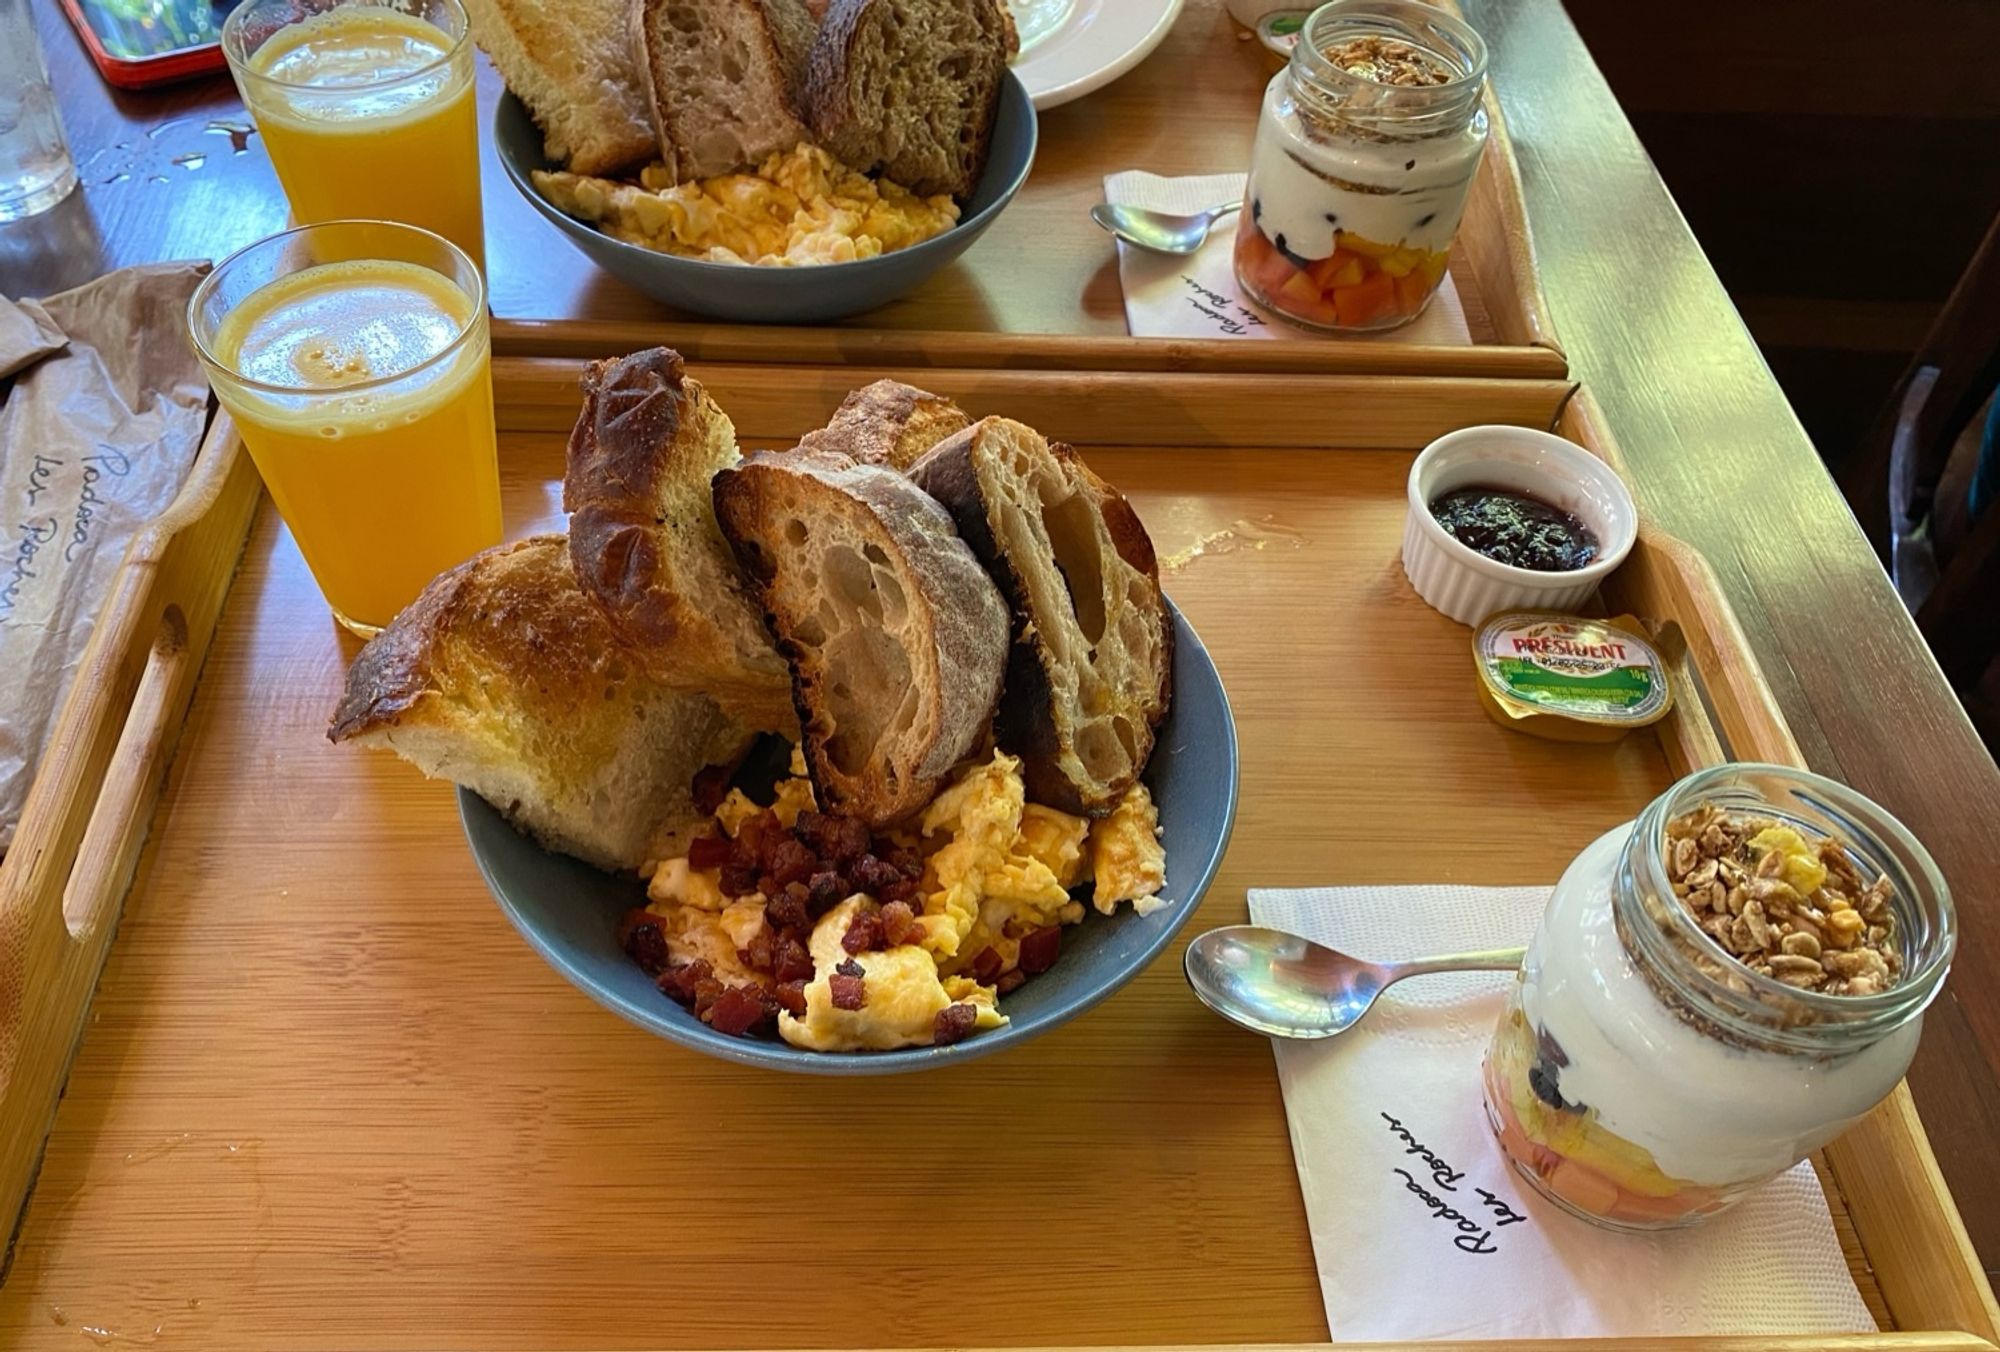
(1466, 585)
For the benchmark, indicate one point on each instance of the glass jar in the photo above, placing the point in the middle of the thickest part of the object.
(1641, 1076)
(1357, 182)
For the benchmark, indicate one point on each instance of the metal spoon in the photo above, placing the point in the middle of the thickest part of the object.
(1281, 985)
(1157, 230)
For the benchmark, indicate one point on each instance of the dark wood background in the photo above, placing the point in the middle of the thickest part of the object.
(1839, 161)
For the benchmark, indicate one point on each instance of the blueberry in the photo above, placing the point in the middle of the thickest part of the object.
(1409, 164)
(1549, 1049)
(1295, 260)
(1256, 208)
(1332, 219)
(1543, 1082)
(1427, 220)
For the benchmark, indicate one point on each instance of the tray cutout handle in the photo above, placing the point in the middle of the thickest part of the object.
(117, 822)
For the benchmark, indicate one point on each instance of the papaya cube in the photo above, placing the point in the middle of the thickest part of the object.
(1411, 292)
(1339, 268)
(1402, 262)
(1366, 301)
(1432, 268)
(1299, 289)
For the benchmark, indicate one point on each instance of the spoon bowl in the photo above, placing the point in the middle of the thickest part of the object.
(1282, 985)
(1160, 231)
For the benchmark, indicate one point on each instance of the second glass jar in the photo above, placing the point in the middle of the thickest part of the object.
(1365, 153)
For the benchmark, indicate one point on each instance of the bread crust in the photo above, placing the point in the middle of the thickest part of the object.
(1031, 721)
(644, 540)
(957, 661)
(595, 119)
(502, 676)
(888, 423)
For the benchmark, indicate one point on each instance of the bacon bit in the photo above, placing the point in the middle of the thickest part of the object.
(849, 992)
(738, 1010)
(864, 933)
(711, 786)
(786, 861)
(849, 967)
(839, 839)
(791, 997)
(1040, 949)
(1010, 981)
(705, 993)
(898, 920)
(708, 852)
(953, 1023)
(825, 891)
(738, 879)
(680, 981)
(787, 911)
(792, 960)
(986, 965)
(875, 876)
(760, 953)
(644, 940)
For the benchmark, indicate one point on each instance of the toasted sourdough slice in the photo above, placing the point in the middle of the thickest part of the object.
(644, 540)
(888, 423)
(571, 63)
(1090, 669)
(504, 678)
(911, 87)
(896, 636)
(723, 78)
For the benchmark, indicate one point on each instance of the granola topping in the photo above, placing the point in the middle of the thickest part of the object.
(1388, 61)
(1791, 909)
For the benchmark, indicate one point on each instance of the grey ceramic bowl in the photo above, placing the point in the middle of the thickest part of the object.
(569, 911)
(808, 295)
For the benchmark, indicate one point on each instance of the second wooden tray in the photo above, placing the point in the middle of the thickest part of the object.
(1041, 289)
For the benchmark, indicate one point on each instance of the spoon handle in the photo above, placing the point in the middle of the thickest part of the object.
(1493, 960)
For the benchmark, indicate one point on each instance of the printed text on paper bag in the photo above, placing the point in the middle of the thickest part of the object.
(1472, 1235)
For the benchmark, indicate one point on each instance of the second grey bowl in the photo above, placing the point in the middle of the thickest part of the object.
(802, 295)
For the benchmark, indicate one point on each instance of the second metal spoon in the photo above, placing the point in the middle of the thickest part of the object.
(1281, 985)
(1158, 230)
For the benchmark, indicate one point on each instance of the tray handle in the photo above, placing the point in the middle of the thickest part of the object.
(117, 821)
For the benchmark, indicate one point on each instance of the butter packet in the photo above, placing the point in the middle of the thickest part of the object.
(1568, 678)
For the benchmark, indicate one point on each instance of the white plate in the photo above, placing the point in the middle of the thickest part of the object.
(1071, 47)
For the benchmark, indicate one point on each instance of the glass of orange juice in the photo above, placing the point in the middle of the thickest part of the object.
(355, 359)
(366, 107)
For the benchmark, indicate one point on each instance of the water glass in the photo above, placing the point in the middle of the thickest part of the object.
(36, 170)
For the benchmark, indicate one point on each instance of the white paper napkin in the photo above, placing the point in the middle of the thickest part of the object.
(1170, 296)
(1389, 1268)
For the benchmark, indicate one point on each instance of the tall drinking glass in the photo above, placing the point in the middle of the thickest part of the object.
(36, 171)
(355, 359)
(366, 108)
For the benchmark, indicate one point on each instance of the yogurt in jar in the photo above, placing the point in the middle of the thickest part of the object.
(1366, 149)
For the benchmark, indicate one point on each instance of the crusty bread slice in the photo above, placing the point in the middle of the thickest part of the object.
(895, 634)
(505, 678)
(888, 423)
(644, 539)
(571, 63)
(911, 87)
(1090, 670)
(723, 78)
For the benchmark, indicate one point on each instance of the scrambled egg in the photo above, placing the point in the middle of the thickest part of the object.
(901, 995)
(996, 869)
(1125, 855)
(803, 207)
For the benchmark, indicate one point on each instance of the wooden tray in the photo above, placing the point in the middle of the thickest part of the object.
(1041, 288)
(326, 1097)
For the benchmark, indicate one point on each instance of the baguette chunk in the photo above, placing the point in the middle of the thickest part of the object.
(1089, 672)
(644, 539)
(504, 678)
(896, 637)
(888, 423)
(571, 62)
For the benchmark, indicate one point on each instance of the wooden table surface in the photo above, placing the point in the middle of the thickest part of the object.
(1715, 452)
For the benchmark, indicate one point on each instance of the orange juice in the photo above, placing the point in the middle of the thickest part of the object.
(368, 113)
(364, 394)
